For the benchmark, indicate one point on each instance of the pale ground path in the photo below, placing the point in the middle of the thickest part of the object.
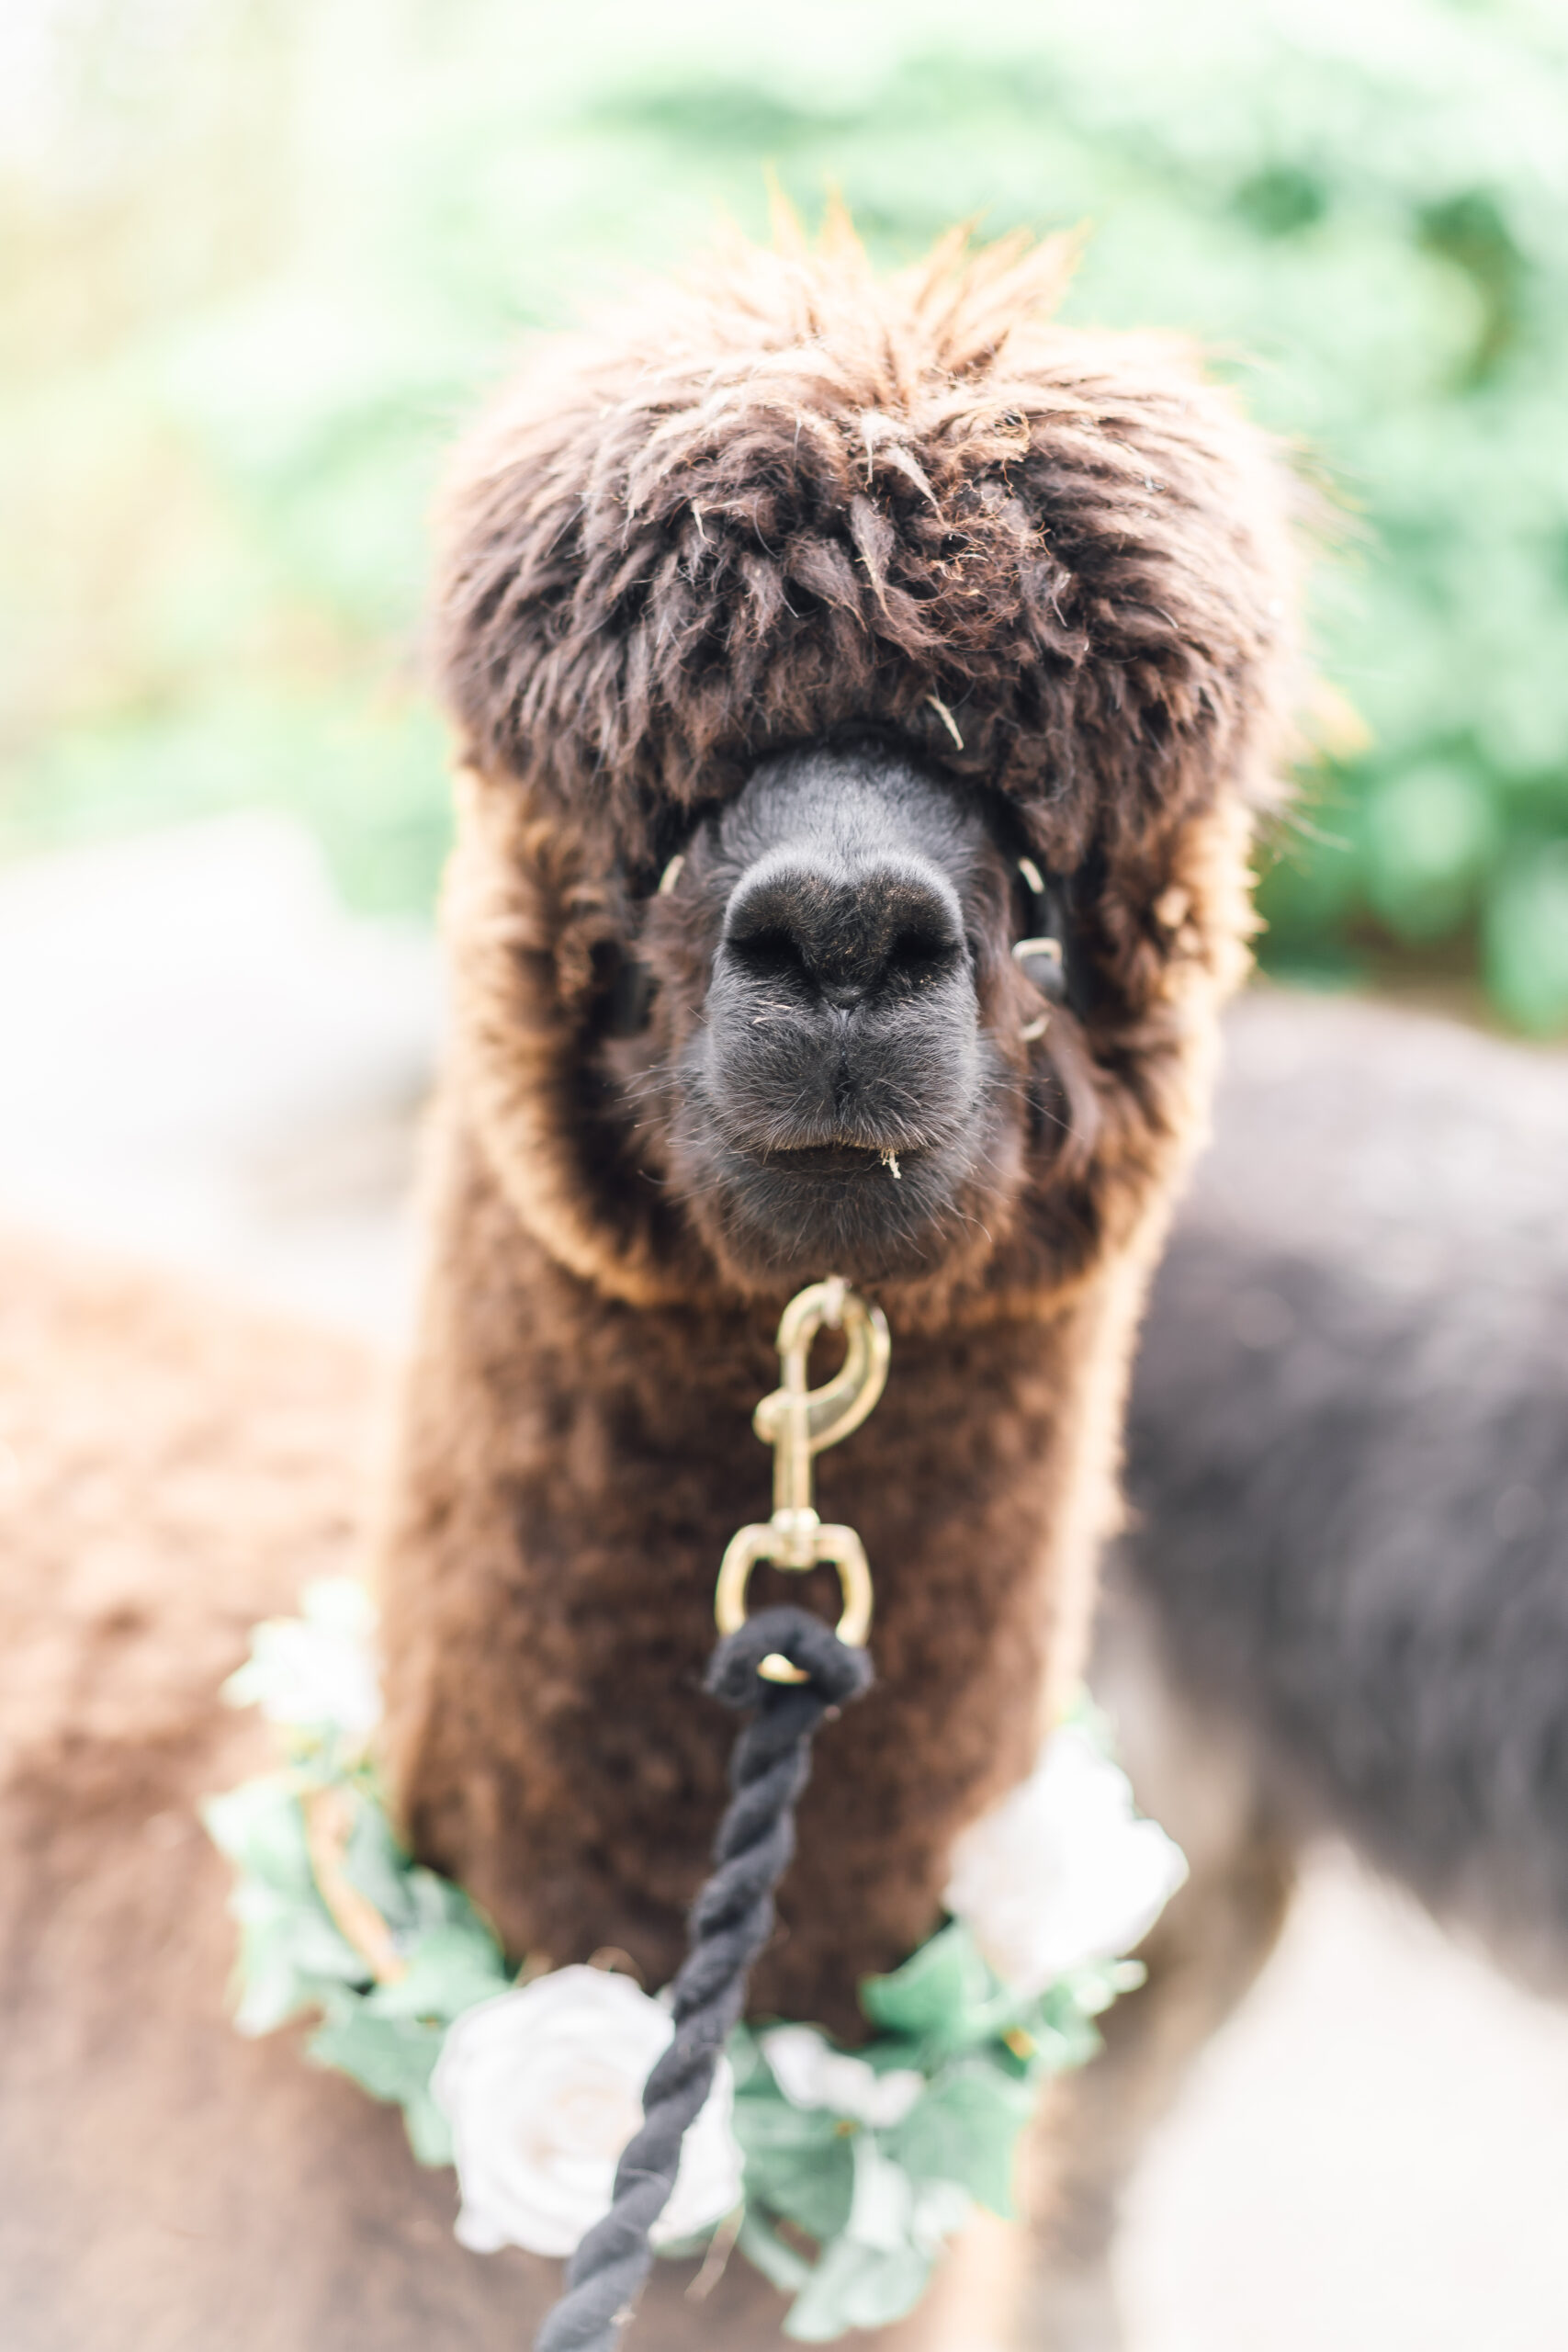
(1371, 2157)
(204, 1064)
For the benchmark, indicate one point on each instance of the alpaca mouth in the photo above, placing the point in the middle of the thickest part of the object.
(842, 1159)
(872, 1211)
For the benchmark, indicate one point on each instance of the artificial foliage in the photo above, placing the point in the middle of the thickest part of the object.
(258, 272)
(879, 2202)
(844, 2212)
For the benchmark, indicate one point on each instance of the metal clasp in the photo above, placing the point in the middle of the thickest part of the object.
(798, 1423)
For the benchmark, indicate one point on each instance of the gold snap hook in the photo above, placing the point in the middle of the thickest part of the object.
(799, 1422)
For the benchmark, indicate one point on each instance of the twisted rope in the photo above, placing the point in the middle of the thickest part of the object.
(731, 1920)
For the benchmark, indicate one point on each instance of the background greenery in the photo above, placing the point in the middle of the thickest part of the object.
(260, 255)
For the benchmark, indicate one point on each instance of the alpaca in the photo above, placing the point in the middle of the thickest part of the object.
(815, 642)
(1341, 1606)
(786, 623)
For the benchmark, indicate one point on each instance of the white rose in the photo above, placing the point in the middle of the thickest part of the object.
(1063, 1870)
(811, 2074)
(318, 1669)
(543, 2089)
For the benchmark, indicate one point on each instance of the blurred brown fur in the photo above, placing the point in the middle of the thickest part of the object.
(173, 1471)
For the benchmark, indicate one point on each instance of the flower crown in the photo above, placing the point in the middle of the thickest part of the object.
(840, 2175)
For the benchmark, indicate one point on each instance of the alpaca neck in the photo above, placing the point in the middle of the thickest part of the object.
(571, 1471)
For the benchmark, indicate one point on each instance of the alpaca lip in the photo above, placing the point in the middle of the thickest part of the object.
(874, 1211)
(838, 1159)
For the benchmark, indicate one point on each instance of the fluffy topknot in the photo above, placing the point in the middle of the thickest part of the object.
(784, 499)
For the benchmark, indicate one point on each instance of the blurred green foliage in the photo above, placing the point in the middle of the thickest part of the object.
(260, 256)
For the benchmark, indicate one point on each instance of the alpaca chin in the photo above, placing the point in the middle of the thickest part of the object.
(771, 1221)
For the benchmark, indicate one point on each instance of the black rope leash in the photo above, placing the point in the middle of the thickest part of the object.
(731, 1920)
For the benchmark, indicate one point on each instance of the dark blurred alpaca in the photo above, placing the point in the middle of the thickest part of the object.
(1343, 1603)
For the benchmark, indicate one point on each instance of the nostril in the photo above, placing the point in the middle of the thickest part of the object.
(920, 955)
(892, 928)
(770, 953)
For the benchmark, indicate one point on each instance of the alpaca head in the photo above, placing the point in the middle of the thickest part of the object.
(817, 640)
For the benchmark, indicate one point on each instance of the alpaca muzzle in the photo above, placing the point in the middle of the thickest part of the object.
(838, 1086)
(842, 1017)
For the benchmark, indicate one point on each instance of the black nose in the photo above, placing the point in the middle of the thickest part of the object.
(848, 934)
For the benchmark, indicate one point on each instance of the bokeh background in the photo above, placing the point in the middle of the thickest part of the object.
(261, 256)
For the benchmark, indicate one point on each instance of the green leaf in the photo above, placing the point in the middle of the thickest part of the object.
(966, 2129)
(767, 2124)
(747, 2064)
(260, 1828)
(1063, 2025)
(389, 2057)
(856, 2286)
(320, 1949)
(940, 1996)
(812, 2188)
(449, 1970)
(290, 1955)
(376, 1864)
(798, 2163)
(436, 1902)
(883, 2206)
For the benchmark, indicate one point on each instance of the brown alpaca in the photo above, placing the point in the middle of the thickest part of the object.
(852, 594)
(787, 525)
